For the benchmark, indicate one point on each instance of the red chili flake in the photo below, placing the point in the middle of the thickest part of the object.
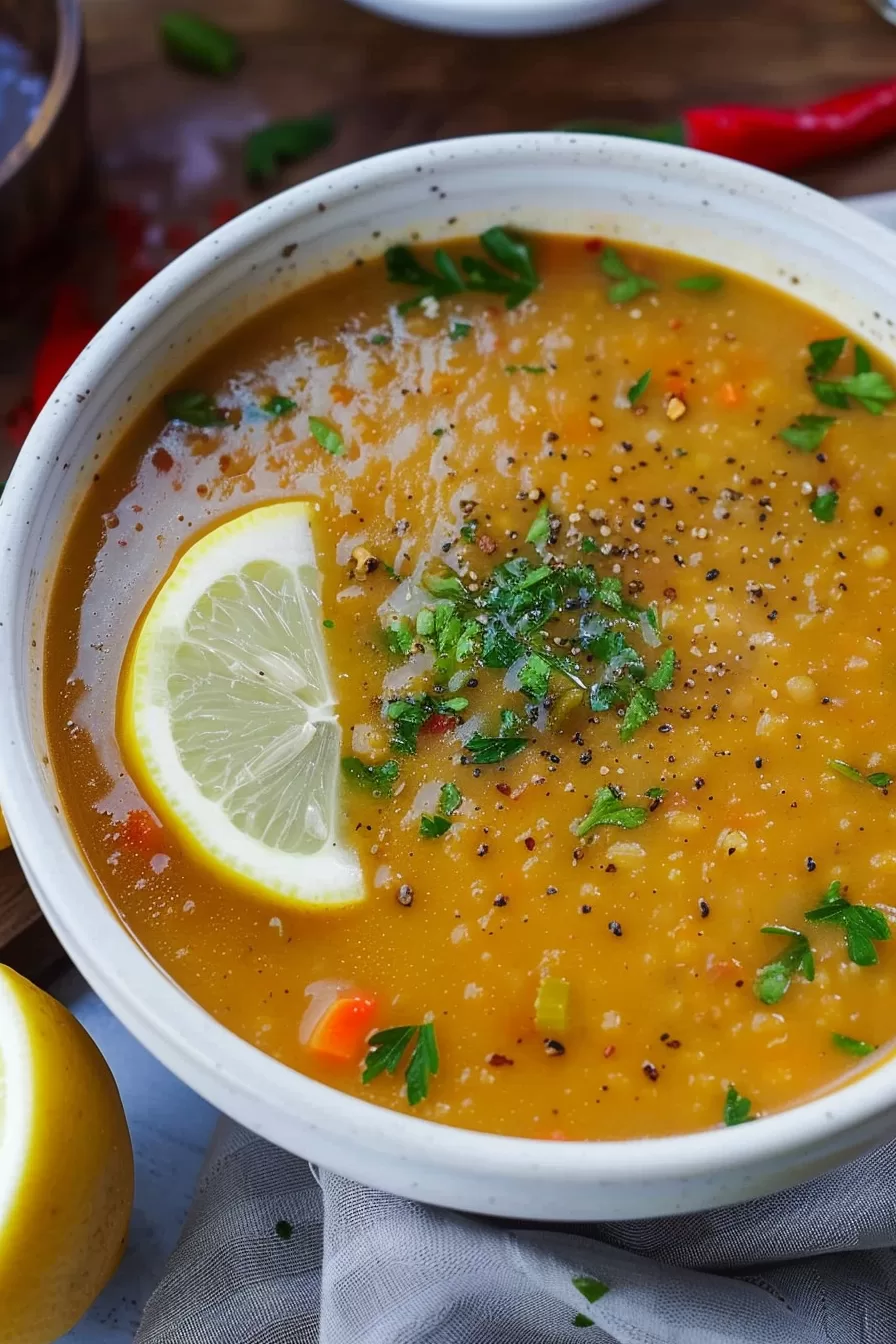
(498, 1061)
(178, 237)
(609, 1050)
(529, 842)
(593, 244)
(162, 460)
(439, 723)
(504, 789)
(224, 210)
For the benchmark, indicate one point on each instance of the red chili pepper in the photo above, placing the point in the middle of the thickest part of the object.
(71, 327)
(777, 138)
(439, 723)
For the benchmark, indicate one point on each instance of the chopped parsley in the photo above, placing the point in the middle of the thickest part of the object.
(524, 368)
(468, 530)
(328, 624)
(380, 338)
(540, 530)
(608, 809)
(399, 638)
(656, 792)
(824, 505)
(535, 676)
(450, 799)
(700, 284)
(773, 979)
(458, 331)
(824, 355)
(627, 284)
(879, 779)
(408, 717)
(284, 142)
(589, 545)
(737, 1108)
(196, 44)
(863, 924)
(376, 779)
(870, 389)
(276, 406)
(432, 827)
(592, 1290)
(806, 433)
(329, 438)
(637, 389)
(194, 408)
(516, 279)
(850, 1046)
(490, 750)
(388, 1048)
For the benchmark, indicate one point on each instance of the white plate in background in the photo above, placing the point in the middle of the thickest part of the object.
(504, 18)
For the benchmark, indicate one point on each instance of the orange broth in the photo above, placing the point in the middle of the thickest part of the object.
(785, 659)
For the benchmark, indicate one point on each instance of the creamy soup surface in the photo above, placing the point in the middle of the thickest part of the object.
(607, 570)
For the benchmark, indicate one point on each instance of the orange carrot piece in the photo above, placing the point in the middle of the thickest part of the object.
(343, 1029)
(729, 395)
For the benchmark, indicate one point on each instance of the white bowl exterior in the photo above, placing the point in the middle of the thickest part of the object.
(510, 18)
(721, 212)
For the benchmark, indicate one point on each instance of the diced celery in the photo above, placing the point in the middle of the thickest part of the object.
(552, 1004)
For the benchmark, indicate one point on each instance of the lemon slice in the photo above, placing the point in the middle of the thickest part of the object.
(227, 717)
(66, 1169)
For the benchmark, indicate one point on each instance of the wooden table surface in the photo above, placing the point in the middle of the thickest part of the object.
(168, 142)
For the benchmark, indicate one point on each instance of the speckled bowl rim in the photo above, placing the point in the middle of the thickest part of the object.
(396, 1151)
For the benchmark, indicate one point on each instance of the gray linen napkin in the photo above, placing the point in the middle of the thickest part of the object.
(274, 1252)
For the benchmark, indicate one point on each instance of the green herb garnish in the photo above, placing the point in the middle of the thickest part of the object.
(192, 41)
(468, 531)
(524, 368)
(277, 406)
(376, 779)
(491, 750)
(458, 331)
(592, 1290)
(628, 285)
(432, 827)
(328, 624)
(807, 432)
(508, 250)
(879, 779)
(773, 980)
(329, 438)
(408, 717)
(870, 390)
(850, 1046)
(535, 676)
(824, 506)
(450, 799)
(387, 1049)
(637, 389)
(656, 792)
(608, 809)
(399, 638)
(194, 408)
(824, 355)
(700, 284)
(589, 546)
(284, 142)
(540, 529)
(737, 1108)
(863, 924)
(380, 338)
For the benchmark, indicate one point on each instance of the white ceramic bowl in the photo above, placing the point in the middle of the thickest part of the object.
(504, 18)
(716, 209)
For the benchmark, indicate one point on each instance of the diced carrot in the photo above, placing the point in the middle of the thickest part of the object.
(729, 395)
(675, 385)
(341, 1032)
(141, 832)
(341, 394)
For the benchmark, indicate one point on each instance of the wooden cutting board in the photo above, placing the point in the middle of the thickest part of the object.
(159, 132)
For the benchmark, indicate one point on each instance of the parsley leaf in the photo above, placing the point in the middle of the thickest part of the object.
(408, 717)
(329, 438)
(824, 506)
(458, 331)
(399, 638)
(580, 1319)
(637, 389)
(807, 432)
(660, 678)
(737, 1108)
(490, 750)
(863, 925)
(284, 142)
(432, 827)
(862, 359)
(387, 1049)
(871, 390)
(515, 255)
(535, 676)
(879, 779)
(608, 809)
(540, 530)
(773, 979)
(276, 406)
(445, 585)
(403, 268)
(376, 779)
(641, 708)
(850, 1046)
(524, 368)
(450, 799)
(824, 355)
(194, 408)
(591, 1289)
(380, 338)
(193, 42)
(589, 545)
(701, 284)
(468, 530)
(628, 284)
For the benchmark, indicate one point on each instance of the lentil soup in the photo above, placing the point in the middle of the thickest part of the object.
(605, 552)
